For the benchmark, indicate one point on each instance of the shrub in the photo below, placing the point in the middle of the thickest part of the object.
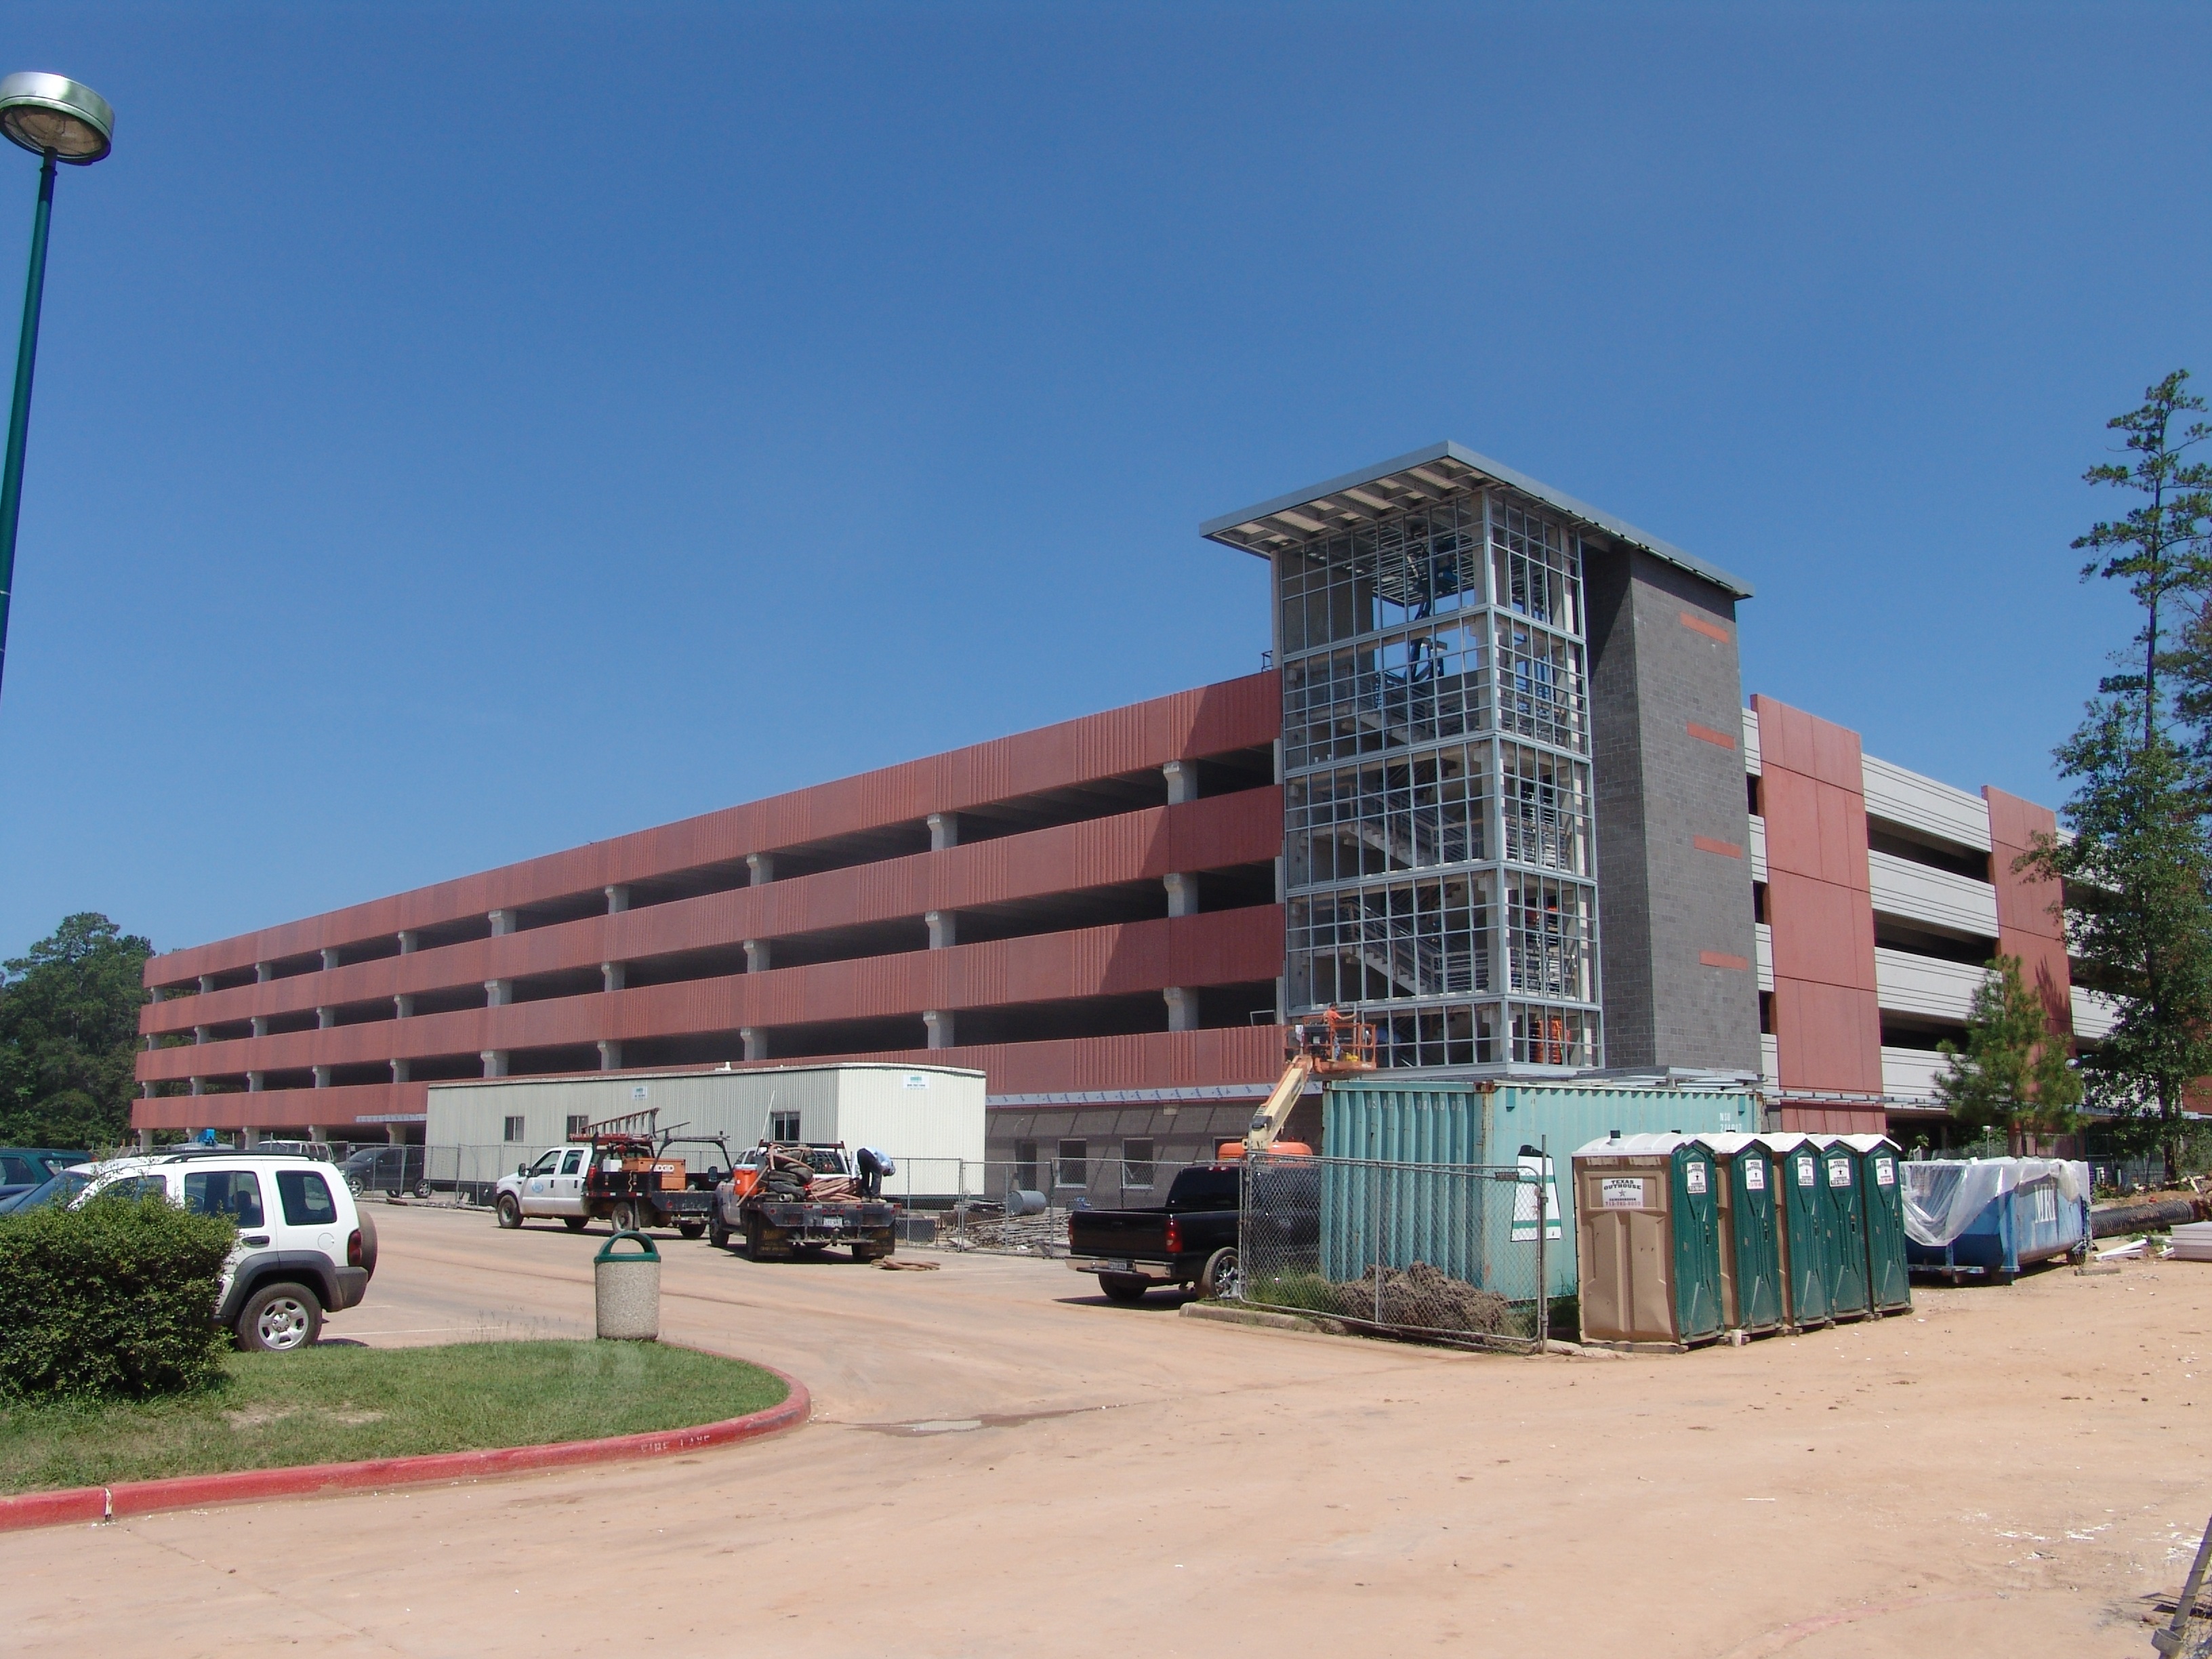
(115, 1300)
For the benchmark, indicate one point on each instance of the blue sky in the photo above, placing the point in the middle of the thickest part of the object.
(464, 432)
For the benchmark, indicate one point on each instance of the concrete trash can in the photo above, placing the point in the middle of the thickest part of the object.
(626, 1290)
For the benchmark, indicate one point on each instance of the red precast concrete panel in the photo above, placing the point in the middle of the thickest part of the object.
(2029, 926)
(1221, 947)
(1827, 1013)
(1240, 1055)
(1245, 828)
(1211, 720)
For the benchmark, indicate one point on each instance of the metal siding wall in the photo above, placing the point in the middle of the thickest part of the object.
(1211, 720)
(942, 1122)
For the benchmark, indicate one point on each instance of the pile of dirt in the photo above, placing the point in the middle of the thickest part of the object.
(1422, 1297)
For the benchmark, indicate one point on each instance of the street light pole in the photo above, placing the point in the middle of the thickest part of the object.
(19, 412)
(57, 119)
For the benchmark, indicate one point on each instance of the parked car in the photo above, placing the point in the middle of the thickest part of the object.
(22, 1168)
(54, 1189)
(304, 1248)
(386, 1169)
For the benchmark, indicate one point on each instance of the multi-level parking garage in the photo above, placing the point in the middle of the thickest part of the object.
(1493, 793)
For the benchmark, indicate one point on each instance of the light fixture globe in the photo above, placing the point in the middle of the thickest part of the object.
(44, 113)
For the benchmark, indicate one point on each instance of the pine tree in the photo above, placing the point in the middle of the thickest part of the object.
(2013, 1074)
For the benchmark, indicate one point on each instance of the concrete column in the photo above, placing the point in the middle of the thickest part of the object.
(249, 1137)
(261, 1025)
(613, 975)
(207, 983)
(402, 1005)
(314, 1132)
(1182, 1008)
(155, 994)
(498, 993)
(322, 1077)
(145, 1140)
(617, 900)
(330, 957)
(502, 923)
(394, 1136)
(762, 867)
(255, 1082)
(1182, 780)
(494, 1062)
(944, 831)
(944, 929)
(400, 1070)
(757, 955)
(410, 941)
(199, 1034)
(1182, 895)
(196, 1084)
(610, 1054)
(756, 1041)
(262, 973)
(149, 1043)
(941, 1024)
(325, 1017)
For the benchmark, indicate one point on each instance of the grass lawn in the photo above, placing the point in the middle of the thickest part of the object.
(332, 1404)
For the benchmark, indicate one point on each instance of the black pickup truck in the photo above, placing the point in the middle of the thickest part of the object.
(1189, 1240)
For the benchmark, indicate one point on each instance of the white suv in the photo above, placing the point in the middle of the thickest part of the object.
(303, 1245)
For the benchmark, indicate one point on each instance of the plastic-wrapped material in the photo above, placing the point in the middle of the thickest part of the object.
(1943, 1197)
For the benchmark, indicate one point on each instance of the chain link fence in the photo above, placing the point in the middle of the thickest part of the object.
(1447, 1253)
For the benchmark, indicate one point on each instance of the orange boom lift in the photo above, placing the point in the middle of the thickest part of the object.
(1334, 1045)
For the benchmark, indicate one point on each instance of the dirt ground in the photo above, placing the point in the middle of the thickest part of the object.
(1000, 1460)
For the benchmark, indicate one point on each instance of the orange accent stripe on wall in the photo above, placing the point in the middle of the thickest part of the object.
(1727, 849)
(1697, 624)
(1722, 959)
(1706, 734)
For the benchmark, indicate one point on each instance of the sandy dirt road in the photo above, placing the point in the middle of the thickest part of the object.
(1002, 1461)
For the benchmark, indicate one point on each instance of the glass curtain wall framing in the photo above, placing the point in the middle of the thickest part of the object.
(1435, 748)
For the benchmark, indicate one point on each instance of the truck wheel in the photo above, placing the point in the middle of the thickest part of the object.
(752, 1241)
(690, 1228)
(278, 1318)
(1124, 1287)
(575, 1224)
(717, 1234)
(1221, 1281)
(626, 1217)
(508, 1210)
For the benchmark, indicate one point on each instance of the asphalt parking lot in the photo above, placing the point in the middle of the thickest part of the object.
(1001, 1460)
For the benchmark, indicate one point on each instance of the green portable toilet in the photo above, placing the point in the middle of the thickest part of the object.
(1751, 1246)
(1841, 1180)
(1881, 1206)
(1802, 1228)
(1647, 1220)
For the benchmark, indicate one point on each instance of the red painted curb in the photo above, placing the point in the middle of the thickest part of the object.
(191, 1491)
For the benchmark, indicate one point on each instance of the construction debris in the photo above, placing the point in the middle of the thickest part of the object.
(2192, 1243)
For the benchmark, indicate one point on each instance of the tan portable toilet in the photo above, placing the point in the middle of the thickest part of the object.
(1647, 1238)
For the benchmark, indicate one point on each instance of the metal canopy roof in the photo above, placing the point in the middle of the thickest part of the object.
(1426, 475)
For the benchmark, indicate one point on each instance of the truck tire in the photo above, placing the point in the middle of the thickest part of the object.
(718, 1234)
(1221, 1280)
(575, 1224)
(690, 1228)
(278, 1318)
(752, 1240)
(626, 1218)
(508, 1210)
(1126, 1288)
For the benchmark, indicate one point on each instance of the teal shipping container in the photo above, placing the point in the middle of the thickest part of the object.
(1441, 1122)
(1840, 1180)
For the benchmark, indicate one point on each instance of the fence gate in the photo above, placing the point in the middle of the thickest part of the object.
(1447, 1252)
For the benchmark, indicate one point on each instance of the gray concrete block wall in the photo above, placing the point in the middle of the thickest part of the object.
(1662, 902)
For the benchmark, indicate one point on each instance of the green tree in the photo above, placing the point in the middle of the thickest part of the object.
(2013, 1074)
(69, 1033)
(2134, 871)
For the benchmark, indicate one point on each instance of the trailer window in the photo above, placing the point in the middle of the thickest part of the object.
(513, 1131)
(580, 1123)
(1074, 1168)
(783, 1126)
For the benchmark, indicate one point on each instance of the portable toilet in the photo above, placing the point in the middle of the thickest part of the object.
(1881, 1206)
(1647, 1210)
(1751, 1247)
(1840, 1182)
(1802, 1230)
